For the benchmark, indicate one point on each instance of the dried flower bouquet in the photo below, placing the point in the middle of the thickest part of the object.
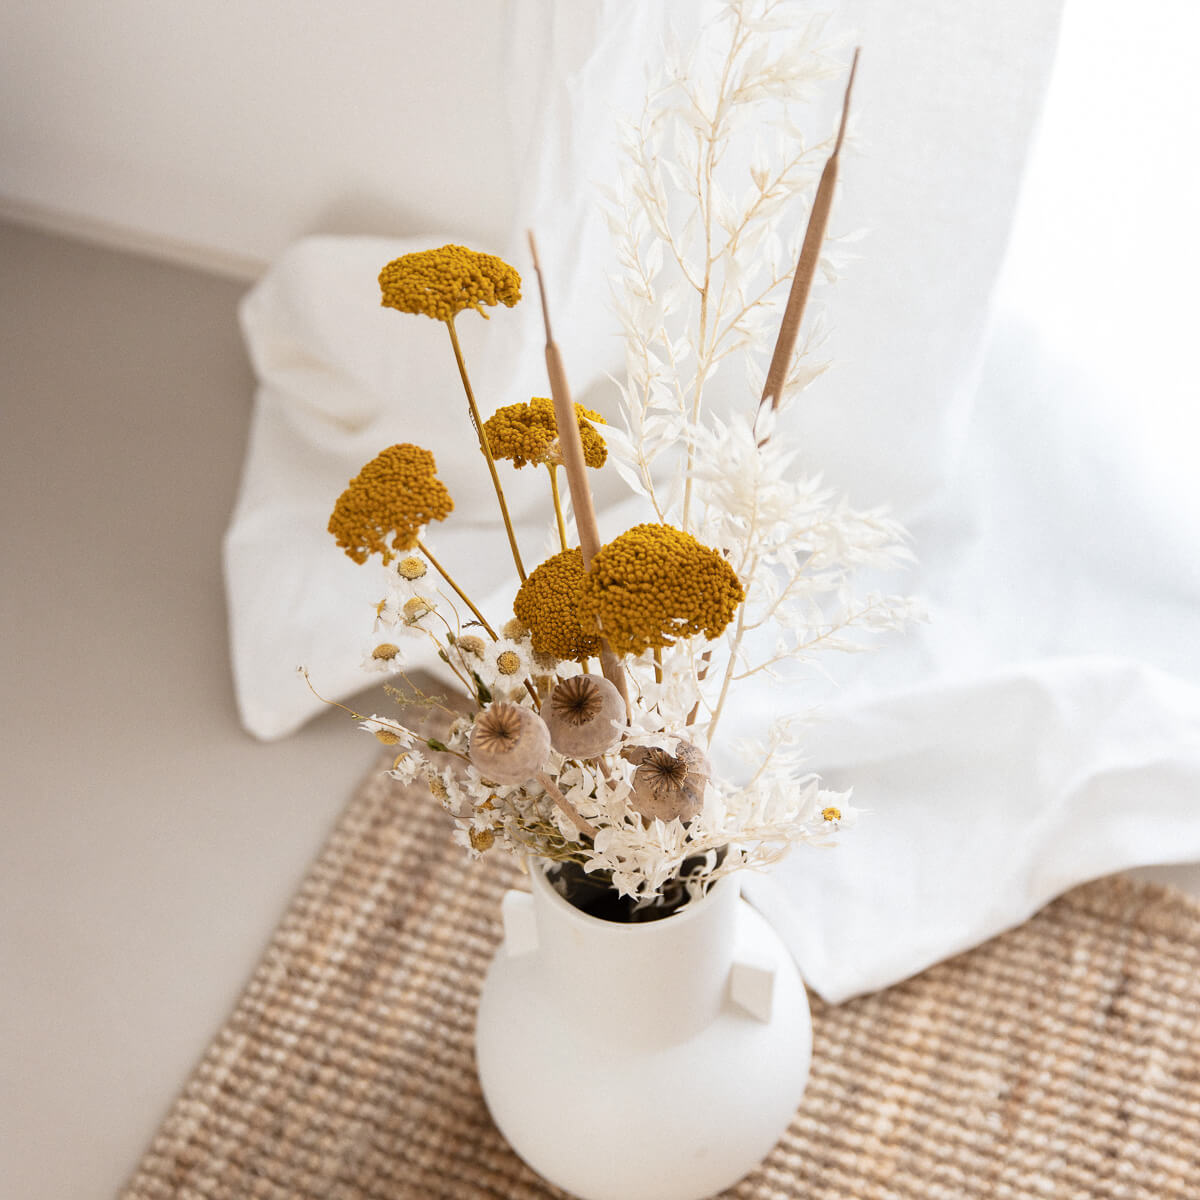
(593, 707)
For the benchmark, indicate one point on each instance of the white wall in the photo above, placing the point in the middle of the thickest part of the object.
(222, 130)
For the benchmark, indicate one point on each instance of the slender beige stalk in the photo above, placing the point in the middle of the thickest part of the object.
(558, 512)
(477, 422)
(567, 807)
(806, 268)
(571, 447)
(437, 566)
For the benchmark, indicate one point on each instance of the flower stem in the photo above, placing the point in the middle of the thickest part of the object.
(566, 806)
(558, 512)
(487, 450)
(437, 566)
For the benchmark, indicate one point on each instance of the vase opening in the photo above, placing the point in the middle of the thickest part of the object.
(594, 895)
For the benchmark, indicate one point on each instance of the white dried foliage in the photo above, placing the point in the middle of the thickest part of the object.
(707, 217)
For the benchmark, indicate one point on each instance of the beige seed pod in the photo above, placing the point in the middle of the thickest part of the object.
(665, 785)
(581, 715)
(509, 744)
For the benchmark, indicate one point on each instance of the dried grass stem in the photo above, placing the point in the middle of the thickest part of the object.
(571, 448)
(806, 268)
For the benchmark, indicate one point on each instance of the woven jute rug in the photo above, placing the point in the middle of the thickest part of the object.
(1059, 1060)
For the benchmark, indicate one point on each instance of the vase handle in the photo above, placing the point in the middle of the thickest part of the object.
(752, 985)
(520, 926)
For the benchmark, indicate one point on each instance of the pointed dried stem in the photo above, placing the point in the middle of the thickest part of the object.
(806, 268)
(477, 422)
(571, 447)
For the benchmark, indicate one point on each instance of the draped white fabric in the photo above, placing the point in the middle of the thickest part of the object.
(1043, 728)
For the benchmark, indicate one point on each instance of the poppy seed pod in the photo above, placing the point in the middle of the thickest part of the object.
(584, 716)
(509, 744)
(665, 785)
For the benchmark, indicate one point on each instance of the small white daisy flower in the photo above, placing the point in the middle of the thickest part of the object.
(383, 657)
(388, 733)
(471, 651)
(475, 841)
(446, 790)
(836, 812)
(505, 667)
(412, 568)
(407, 767)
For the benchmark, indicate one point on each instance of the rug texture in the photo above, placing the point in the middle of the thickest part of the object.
(1059, 1060)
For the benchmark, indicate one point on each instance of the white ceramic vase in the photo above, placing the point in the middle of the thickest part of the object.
(656, 1061)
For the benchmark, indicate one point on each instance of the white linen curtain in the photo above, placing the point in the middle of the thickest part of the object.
(1003, 747)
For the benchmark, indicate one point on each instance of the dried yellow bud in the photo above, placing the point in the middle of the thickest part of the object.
(385, 651)
(411, 567)
(472, 645)
(508, 662)
(415, 607)
(481, 839)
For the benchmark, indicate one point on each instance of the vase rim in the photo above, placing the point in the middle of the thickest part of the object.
(691, 911)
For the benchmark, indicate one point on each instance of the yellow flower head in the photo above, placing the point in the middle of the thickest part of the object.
(527, 433)
(548, 605)
(654, 584)
(396, 493)
(441, 283)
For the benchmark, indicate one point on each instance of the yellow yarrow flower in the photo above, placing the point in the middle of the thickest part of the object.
(655, 584)
(396, 493)
(441, 283)
(528, 433)
(548, 606)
